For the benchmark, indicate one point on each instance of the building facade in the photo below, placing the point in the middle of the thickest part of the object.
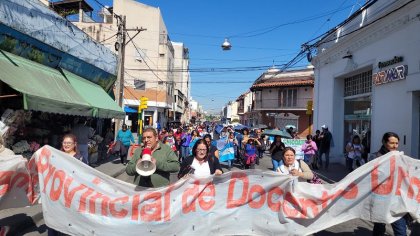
(149, 58)
(281, 99)
(244, 108)
(182, 82)
(368, 76)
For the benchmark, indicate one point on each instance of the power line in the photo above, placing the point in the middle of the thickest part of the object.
(143, 59)
(329, 18)
(214, 69)
(108, 38)
(363, 27)
(272, 28)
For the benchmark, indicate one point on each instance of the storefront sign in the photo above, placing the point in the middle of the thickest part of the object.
(390, 75)
(393, 61)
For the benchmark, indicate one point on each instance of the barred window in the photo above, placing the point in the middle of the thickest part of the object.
(358, 84)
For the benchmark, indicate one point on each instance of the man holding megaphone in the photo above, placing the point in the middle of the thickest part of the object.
(152, 163)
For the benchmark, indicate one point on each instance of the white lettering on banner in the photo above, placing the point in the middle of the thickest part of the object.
(77, 199)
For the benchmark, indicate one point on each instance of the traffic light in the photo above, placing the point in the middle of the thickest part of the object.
(143, 103)
(309, 107)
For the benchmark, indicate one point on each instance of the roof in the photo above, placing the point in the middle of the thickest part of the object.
(242, 96)
(272, 84)
(72, 5)
(303, 77)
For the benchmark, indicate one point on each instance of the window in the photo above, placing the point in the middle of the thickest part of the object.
(288, 97)
(358, 84)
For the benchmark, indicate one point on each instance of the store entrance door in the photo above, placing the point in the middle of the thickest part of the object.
(357, 118)
(148, 120)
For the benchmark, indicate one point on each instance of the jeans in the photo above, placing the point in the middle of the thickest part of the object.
(123, 157)
(185, 150)
(307, 158)
(327, 158)
(84, 151)
(259, 155)
(230, 163)
(276, 164)
(349, 163)
(399, 227)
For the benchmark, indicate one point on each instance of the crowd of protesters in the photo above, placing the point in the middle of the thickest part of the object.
(199, 150)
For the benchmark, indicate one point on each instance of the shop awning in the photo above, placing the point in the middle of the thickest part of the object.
(103, 105)
(47, 89)
(44, 88)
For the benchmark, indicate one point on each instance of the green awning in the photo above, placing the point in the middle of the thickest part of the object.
(44, 88)
(47, 89)
(103, 105)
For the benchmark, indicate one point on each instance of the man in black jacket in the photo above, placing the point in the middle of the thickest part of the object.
(326, 143)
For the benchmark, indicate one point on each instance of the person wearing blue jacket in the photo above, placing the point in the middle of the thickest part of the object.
(185, 145)
(126, 138)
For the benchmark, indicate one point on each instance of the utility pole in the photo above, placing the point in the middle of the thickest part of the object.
(120, 47)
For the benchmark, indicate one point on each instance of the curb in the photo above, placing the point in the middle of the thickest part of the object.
(118, 173)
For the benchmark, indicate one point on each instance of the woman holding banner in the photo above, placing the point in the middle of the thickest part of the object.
(390, 142)
(290, 166)
(201, 164)
(69, 146)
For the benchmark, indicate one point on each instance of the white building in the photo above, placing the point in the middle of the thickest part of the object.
(149, 57)
(196, 111)
(182, 82)
(244, 105)
(368, 76)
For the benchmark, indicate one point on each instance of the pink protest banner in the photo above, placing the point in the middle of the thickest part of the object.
(79, 200)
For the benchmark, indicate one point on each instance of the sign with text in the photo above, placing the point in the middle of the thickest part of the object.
(390, 75)
(79, 200)
(295, 144)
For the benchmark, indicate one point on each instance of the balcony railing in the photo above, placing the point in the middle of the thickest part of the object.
(275, 104)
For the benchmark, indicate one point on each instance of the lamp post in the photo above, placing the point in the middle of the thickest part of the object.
(226, 45)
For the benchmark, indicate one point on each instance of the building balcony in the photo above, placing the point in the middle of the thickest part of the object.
(293, 104)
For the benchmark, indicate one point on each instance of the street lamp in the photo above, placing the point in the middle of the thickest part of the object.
(226, 45)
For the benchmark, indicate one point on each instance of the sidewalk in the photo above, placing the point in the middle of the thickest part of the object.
(335, 173)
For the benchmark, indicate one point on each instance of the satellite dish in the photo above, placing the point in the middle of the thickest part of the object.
(226, 45)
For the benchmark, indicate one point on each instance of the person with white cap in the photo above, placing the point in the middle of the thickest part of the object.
(326, 142)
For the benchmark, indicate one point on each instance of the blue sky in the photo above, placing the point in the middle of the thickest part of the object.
(262, 32)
